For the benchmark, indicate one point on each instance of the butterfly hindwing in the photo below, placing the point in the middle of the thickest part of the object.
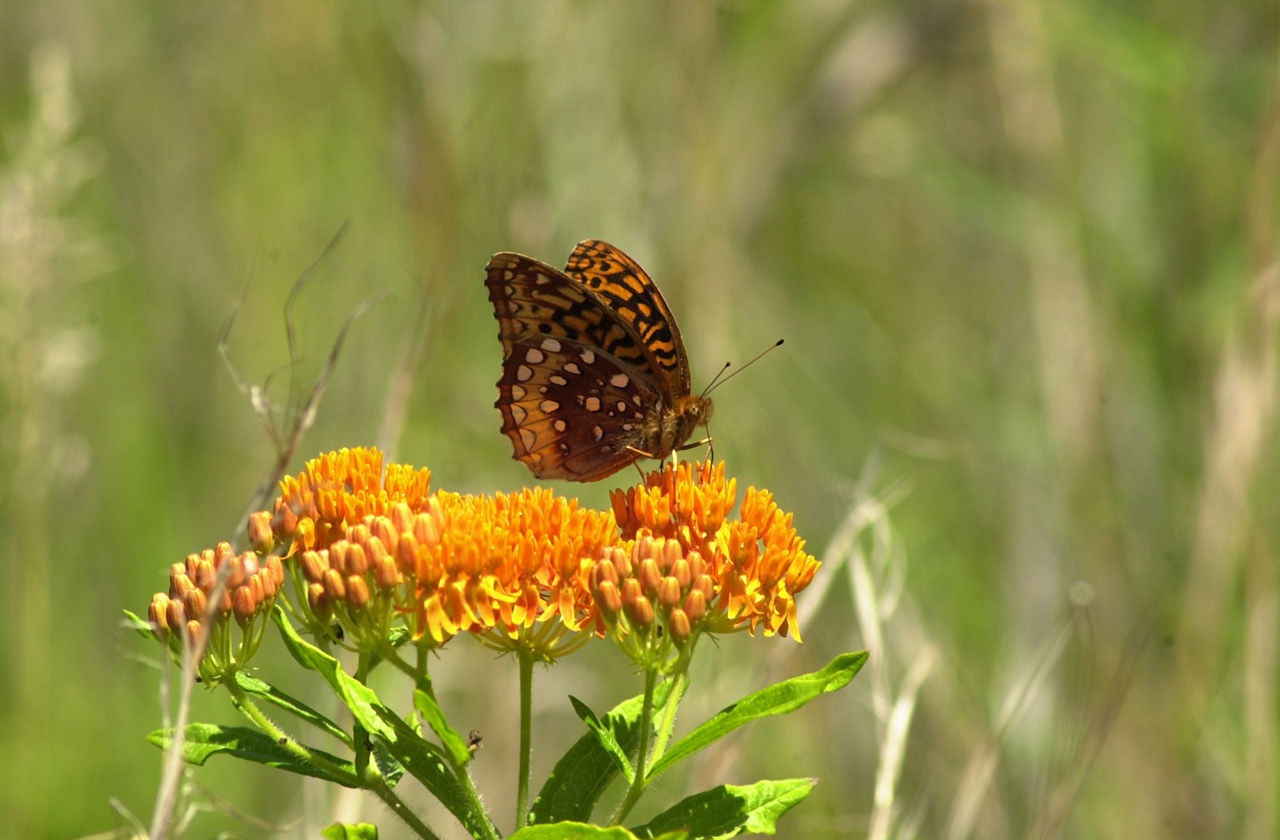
(570, 411)
(594, 372)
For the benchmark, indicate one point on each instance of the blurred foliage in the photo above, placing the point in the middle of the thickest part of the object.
(1021, 253)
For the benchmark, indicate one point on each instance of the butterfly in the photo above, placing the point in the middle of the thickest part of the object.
(594, 371)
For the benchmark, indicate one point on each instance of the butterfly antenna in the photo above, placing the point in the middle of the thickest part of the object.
(716, 381)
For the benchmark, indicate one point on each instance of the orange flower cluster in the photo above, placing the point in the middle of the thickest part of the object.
(756, 563)
(340, 489)
(249, 584)
(490, 565)
(374, 549)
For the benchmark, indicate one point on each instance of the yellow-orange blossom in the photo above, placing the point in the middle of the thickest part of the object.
(373, 546)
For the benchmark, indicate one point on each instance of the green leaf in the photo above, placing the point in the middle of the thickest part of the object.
(425, 763)
(141, 626)
(421, 759)
(201, 740)
(586, 770)
(355, 695)
(388, 765)
(606, 737)
(265, 691)
(777, 699)
(345, 831)
(449, 737)
(730, 810)
(582, 831)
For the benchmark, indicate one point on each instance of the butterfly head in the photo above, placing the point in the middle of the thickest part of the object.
(675, 425)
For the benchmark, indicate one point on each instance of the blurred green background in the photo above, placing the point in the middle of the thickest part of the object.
(1021, 254)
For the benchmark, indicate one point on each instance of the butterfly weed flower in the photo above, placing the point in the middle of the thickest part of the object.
(513, 570)
(335, 521)
(756, 562)
(653, 596)
(245, 585)
(338, 490)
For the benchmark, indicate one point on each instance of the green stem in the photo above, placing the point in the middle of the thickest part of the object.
(360, 737)
(461, 771)
(679, 684)
(403, 811)
(525, 658)
(251, 711)
(642, 752)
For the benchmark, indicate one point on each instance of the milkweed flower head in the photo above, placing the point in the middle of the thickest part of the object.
(373, 552)
(219, 599)
(509, 568)
(738, 573)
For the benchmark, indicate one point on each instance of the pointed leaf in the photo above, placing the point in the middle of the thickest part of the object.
(580, 831)
(141, 626)
(345, 831)
(606, 738)
(587, 769)
(449, 737)
(421, 759)
(729, 810)
(776, 699)
(425, 763)
(265, 691)
(355, 695)
(201, 740)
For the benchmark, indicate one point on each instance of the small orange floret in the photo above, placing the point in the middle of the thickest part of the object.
(340, 489)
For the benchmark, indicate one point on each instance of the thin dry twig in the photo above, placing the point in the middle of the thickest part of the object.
(286, 443)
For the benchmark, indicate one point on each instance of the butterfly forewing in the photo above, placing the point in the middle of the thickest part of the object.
(634, 298)
(594, 372)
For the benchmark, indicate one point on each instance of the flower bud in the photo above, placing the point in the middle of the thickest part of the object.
(243, 604)
(679, 627)
(335, 585)
(175, 615)
(318, 599)
(649, 576)
(158, 613)
(357, 559)
(315, 564)
(669, 593)
(609, 599)
(386, 575)
(357, 591)
(640, 611)
(260, 535)
(695, 605)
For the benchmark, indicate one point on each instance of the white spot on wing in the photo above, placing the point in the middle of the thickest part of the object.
(619, 380)
(549, 406)
(550, 345)
(588, 357)
(524, 373)
(592, 404)
(534, 356)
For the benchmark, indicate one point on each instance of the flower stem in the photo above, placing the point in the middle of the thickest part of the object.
(642, 752)
(250, 710)
(679, 684)
(525, 658)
